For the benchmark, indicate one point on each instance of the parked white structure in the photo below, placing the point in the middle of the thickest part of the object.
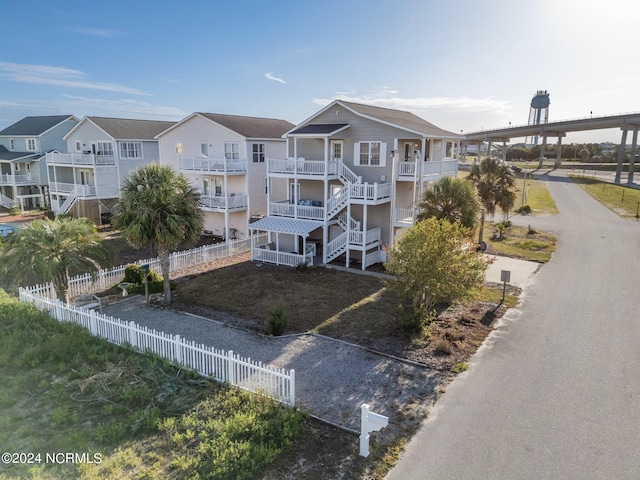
(225, 157)
(103, 152)
(23, 172)
(350, 183)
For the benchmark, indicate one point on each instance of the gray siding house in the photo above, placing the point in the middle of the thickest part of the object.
(23, 171)
(351, 182)
(103, 152)
(225, 158)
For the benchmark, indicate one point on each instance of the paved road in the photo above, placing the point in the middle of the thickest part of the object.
(555, 391)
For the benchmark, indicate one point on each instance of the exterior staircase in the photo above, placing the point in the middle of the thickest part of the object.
(68, 203)
(6, 202)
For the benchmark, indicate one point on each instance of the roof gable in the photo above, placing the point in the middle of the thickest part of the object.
(388, 116)
(35, 126)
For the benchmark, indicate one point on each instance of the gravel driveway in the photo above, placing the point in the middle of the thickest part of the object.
(333, 378)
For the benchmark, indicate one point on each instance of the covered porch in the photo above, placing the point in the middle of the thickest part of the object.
(286, 241)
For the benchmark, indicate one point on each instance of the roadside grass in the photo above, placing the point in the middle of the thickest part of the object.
(537, 195)
(623, 201)
(66, 391)
(520, 242)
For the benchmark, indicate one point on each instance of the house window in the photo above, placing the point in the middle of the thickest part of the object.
(78, 146)
(204, 150)
(217, 186)
(232, 151)
(336, 150)
(131, 150)
(179, 147)
(103, 148)
(31, 144)
(370, 153)
(258, 152)
(12, 144)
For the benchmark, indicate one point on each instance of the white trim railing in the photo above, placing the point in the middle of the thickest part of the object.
(83, 159)
(6, 202)
(347, 175)
(337, 201)
(365, 238)
(81, 191)
(276, 257)
(229, 202)
(370, 191)
(291, 166)
(405, 216)
(273, 382)
(8, 179)
(337, 246)
(285, 209)
(221, 165)
(430, 170)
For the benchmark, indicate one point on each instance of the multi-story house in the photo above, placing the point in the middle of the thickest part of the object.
(225, 158)
(103, 152)
(350, 183)
(23, 172)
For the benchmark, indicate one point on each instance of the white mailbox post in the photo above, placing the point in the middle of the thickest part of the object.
(369, 422)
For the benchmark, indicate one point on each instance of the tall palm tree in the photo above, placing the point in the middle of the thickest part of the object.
(48, 249)
(495, 186)
(158, 208)
(451, 199)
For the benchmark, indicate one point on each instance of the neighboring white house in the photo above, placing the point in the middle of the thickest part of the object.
(350, 183)
(224, 157)
(23, 172)
(103, 152)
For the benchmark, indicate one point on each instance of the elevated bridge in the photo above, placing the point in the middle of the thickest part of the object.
(625, 122)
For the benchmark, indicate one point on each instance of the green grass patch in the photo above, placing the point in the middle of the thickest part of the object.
(494, 295)
(66, 391)
(536, 195)
(520, 242)
(623, 201)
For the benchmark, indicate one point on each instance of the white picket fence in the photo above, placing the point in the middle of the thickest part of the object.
(222, 366)
(276, 383)
(105, 279)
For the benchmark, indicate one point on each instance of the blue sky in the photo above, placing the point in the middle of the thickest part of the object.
(461, 64)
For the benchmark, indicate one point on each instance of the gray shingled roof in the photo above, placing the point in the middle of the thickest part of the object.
(7, 155)
(319, 128)
(251, 127)
(400, 118)
(129, 129)
(34, 125)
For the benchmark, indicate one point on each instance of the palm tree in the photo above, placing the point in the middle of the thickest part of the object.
(495, 187)
(452, 199)
(50, 248)
(158, 208)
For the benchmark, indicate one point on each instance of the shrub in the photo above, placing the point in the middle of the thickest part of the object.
(14, 210)
(443, 347)
(277, 321)
(524, 210)
(135, 275)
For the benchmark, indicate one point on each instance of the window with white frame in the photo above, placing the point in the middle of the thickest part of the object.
(131, 150)
(78, 145)
(258, 152)
(12, 144)
(370, 153)
(103, 148)
(232, 151)
(31, 144)
(204, 150)
(179, 147)
(217, 186)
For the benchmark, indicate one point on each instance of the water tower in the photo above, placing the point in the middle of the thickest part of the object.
(539, 111)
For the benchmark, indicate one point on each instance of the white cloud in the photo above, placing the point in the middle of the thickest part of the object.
(421, 103)
(270, 76)
(58, 76)
(122, 108)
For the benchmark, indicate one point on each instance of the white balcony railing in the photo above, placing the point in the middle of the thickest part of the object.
(82, 159)
(217, 165)
(26, 179)
(430, 170)
(285, 209)
(266, 255)
(230, 202)
(303, 167)
(365, 238)
(82, 191)
(370, 191)
(405, 216)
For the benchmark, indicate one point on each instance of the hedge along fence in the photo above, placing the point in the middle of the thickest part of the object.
(273, 382)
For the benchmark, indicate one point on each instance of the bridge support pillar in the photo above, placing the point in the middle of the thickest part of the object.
(559, 153)
(632, 159)
(543, 149)
(621, 153)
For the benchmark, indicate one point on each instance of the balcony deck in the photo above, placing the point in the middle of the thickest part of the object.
(80, 159)
(214, 165)
(430, 170)
(232, 202)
